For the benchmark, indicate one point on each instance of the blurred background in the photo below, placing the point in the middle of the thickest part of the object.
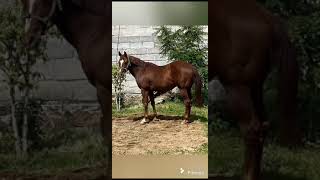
(160, 13)
(63, 138)
(302, 17)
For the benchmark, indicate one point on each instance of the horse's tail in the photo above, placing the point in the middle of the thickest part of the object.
(285, 54)
(198, 87)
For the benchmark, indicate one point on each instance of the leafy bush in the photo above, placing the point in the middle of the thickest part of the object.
(303, 22)
(35, 133)
(303, 19)
(17, 67)
(187, 43)
(118, 80)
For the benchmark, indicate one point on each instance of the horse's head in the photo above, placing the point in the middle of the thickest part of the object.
(124, 62)
(38, 16)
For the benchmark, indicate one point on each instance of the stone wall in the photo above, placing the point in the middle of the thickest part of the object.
(64, 77)
(139, 41)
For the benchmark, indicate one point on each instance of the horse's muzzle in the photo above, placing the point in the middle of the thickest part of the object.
(123, 70)
(32, 39)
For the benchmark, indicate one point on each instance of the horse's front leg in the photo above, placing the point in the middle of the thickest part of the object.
(153, 104)
(252, 125)
(145, 100)
(187, 102)
(104, 96)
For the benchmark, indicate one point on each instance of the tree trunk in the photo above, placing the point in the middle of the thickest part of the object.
(26, 108)
(25, 122)
(14, 121)
(117, 102)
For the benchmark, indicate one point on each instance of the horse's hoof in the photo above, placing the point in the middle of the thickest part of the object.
(185, 122)
(144, 121)
(155, 117)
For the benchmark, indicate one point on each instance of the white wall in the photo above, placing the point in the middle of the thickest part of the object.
(139, 41)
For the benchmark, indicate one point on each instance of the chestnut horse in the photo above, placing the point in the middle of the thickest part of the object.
(86, 25)
(245, 41)
(155, 80)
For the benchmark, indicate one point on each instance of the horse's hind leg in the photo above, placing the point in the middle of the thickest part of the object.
(145, 100)
(104, 98)
(152, 96)
(187, 102)
(243, 103)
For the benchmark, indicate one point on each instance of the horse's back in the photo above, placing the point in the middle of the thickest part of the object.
(172, 67)
(181, 66)
(183, 73)
(163, 78)
(241, 40)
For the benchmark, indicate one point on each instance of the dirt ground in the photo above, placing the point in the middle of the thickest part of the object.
(165, 136)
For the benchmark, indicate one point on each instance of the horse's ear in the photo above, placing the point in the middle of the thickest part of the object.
(120, 53)
(125, 54)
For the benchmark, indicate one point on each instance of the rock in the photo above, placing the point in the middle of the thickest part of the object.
(216, 91)
(5, 120)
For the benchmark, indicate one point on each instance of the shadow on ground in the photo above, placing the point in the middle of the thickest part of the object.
(167, 118)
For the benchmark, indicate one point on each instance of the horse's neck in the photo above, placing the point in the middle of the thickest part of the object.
(80, 28)
(136, 67)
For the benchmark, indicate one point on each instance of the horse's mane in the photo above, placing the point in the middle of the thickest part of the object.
(136, 61)
(139, 62)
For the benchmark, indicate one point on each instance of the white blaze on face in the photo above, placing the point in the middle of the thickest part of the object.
(121, 62)
(28, 21)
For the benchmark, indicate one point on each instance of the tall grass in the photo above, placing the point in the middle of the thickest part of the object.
(166, 108)
(226, 158)
(83, 151)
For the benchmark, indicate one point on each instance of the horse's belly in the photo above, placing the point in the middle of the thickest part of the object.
(162, 86)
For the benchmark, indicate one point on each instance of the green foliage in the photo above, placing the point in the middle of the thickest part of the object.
(186, 43)
(17, 68)
(303, 21)
(6, 142)
(118, 80)
(34, 109)
(167, 108)
(289, 8)
(306, 35)
(15, 60)
(226, 159)
(73, 149)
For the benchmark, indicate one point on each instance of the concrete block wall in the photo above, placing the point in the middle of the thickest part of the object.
(139, 41)
(64, 77)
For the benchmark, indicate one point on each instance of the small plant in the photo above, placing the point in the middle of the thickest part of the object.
(17, 65)
(118, 80)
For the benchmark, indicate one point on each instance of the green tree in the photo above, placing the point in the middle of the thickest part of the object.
(17, 66)
(303, 19)
(186, 43)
